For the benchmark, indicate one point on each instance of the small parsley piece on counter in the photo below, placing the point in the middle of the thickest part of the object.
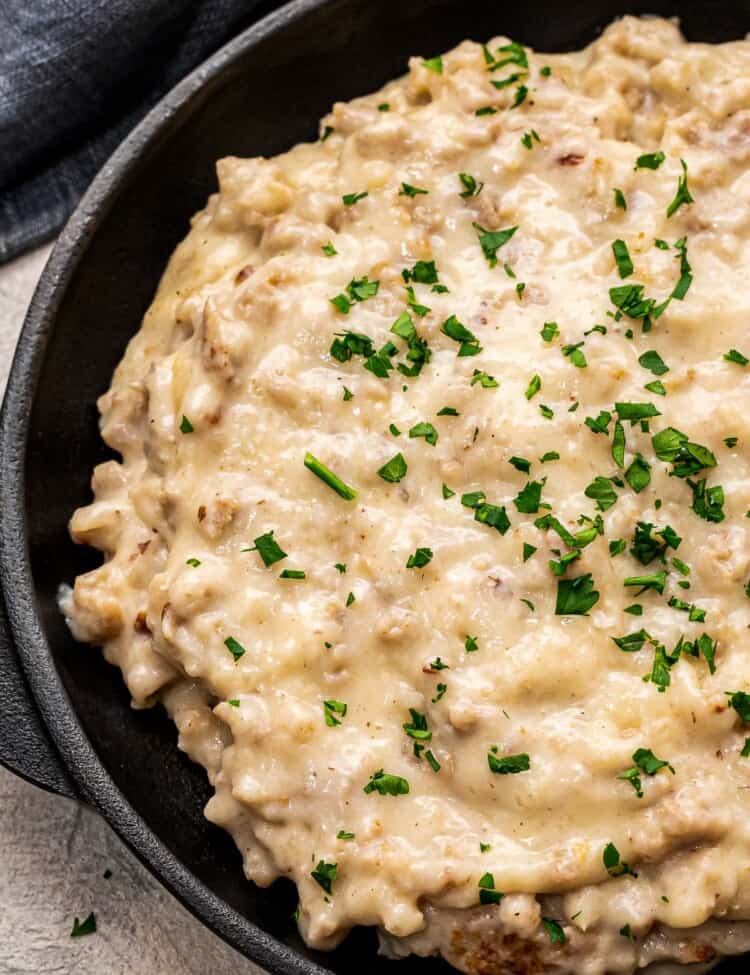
(438, 664)
(454, 329)
(492, 240)
(520, 464)
(546, 411)
(615, 867)
(654, 580)
(447, 493)
(573, 352)
(471, 644)
(421, 558)
(292, 574)
(434, 64)
(550, 331)
(425, 430)
(535, 384)
(507, 764)
(328, 130)
(326, 475)
(394, 470)
(331, 709)
(471, 187)
(617, 546)
(683, 193)
(408, 190)
(528, 551)
(234, 647)
(487, 892)
(620, 200)
(85, 927)
(193, 562)
(548, 456)
(186, 426)
(646, 763)
(708, 502)
(234, 702)
(387, 784)
(448, 411)
(602, 492)
(650, 160)
(575, 597)
(440, 689)
(734, 356)
(554, 930)
(529, 138)
(329, 250)
(622, 258)
(484, 379)
(638, 475)
(268, 548)
(351, 198)
(324, 875)
(528, 498)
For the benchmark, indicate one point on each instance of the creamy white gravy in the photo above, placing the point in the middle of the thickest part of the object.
(524, 711)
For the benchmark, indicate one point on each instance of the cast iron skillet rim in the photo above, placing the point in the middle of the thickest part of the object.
(79, 757)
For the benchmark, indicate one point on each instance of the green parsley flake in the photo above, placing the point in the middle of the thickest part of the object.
(554, 930)
(535, 384)
(394, 470)
(470, 185)
(573, 352)
(471, 644)
(434, 64)
(492, 240)
(331, 709)
(348, 394)
(234, 702)
(324, 875)
(387, 784)
(638, 475)
(351, 198)
(528, 551)
(622, 258)
(292, 574)
(520, 464)
(546, 411)
(650, 160)
(193, 562)
(340, 566)
(545, 71)
(620, 200)
(447, 493)
(328, 130)
(529, 138)
(234, 647)
(683, 193)
(440, 689)
(528, 499)
(487, 892)
(85, 927)
(617, 546)
(408, 190)
(614, 866)
(575, 597)
(646, 763)
(508, 764)
(548, 456)
(326, 475)
(469, 343)
(329, 250)
(351, 598)
(484, 379)
(425, 430)
(550, 331)
(186, 426)
(421, 558)
(737, 357)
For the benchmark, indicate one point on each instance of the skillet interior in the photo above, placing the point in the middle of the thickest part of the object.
(262, 103)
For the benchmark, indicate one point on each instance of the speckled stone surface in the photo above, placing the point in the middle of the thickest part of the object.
(54, 853)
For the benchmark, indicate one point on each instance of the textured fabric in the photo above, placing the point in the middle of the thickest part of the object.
(75, 77)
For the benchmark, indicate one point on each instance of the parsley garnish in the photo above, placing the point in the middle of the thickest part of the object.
(487, 892)
(329, 250)
(434, 64)
(520, 96)
(529, 138)
(351, 598)
(548, 456)
(638, 475)
(652, 361)
(484, 379)
(384, 107)
(193, 562)
(683, 193)
(351, 198)
(520, 464)
(674, 447)
(546, 411)
(441, 689)
(394, 470)
(426, 430)
(620, 200)
(740, 701)
(487, 110)
(614, 865)
(575, 597)
(734, 356)
(573, 352)
(492, 240)
(545, 71)
(326, 132)
(421, 558)
(82, 928)
(331, 709)
(471, 644)
(708, 503)
(622, 258)
(387, 784)
(469, 343)
(186, 426)
(448, 411)
(645, 763)
(326, 475)
(292, 574)
(655, 581)
(528, 551)
(234, 702)
(508, 764)
(324, 875)
(447, 493)
(602, 492)
(348, 394)
(550, 331)
(408, 190)
(618, 444)
(617, 546)
(650, 160)
(268, 549)
(554, 930)
(234, 647)
(535, 384)
(636, 411)
(470, 185)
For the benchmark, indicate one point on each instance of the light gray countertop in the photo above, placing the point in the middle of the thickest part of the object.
(54, 853)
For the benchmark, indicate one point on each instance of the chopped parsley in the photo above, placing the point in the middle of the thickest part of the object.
(454, 329)
(292, 574)
(550, 331)
(614, 865)
(520, 96)
(268, 548)
(351, 198)
(423, 272)
(351, 598)
(185, 425)
(650, 160)
(520, 464)
(484, 379)
(529, 138)
(601, 491)
(575, 597)
(487, 110)
(740, 701)
(434, 64)
(234, 647)
(487, 892)
(686, 457)
(636, 411)
(331, 709)
(324, 875)
(507, 764)
(528, 551)
(683, 193)
(545, 71)
(622, 258)
(348, 394)
(387, 784)
(470, 185)
(340, 567)
(234, 702)
(548, 456)
(329, 250)
(528, 498)
(425, 430)
(734, 356)
(448, 411)
(447, 493)
(573, 352)
(326, 475)
(535, 384)
(554, 930)
(638, 475)
(408, 190)
(546, 411)
(394, 470)
(617, 546)
(620, 200)
(85, 927)
(708, 502)
(344, 835)
(193, 562)
(328, 130)
(358, 289)
(657, 387)
(492, 240)
(646, 763)
(618, 444)
(421, 558)
(441, 689)
(384, 107)
(471, 644)
(654, 580)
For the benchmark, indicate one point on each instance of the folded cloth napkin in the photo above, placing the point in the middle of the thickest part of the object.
(75, 77)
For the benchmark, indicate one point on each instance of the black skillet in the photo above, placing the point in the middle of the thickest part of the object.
(65, 722)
